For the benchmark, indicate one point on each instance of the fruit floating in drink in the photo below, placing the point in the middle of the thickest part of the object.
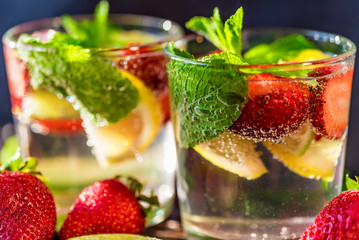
(90, 100)
(260, 120)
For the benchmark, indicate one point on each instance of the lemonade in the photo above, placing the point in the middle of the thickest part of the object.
(260, 120)
(90, 100)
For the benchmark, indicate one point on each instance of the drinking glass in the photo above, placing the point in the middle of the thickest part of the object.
(265, 172)
(74, 153)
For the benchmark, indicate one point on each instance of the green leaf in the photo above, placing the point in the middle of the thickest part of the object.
(282, 49)
(13, 162)
(233, 32)
(179, 52)
(94, 84)
(206, 99)
(224, 57)
(101, 22)
(227, 36)
(95, 33)
(73, 28)
(351, 184)
(9, 148)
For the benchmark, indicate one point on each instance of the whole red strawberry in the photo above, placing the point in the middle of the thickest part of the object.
(106, 206)
(27, 209)
(276, 108)
(339, 220)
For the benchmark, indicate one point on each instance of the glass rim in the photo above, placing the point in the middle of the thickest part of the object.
(174, 31)
(330, 60)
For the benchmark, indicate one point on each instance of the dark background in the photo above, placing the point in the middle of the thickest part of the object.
(335, 16)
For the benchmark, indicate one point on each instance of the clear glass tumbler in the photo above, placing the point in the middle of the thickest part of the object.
(74, 153)
(267, 172)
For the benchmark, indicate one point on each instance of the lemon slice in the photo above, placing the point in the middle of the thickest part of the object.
(233, 154)
(122, 140)
(318, 160)
(116, 236)
(310, 55)
(41, 105)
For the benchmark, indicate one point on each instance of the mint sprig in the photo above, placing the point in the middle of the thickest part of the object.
(96, 33)
(283, 49)
(206, 98)
(227, 36)
(94, 84)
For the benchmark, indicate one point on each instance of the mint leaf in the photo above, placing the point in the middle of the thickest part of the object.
(94, 84)
(92, 34)
(206, 99)
(283, 49)
(225, 36)
(179, 52)
(233, 32)
(224, 57)
(101, 22)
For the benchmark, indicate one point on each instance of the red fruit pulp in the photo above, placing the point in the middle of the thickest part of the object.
(276, 108)
(18, 79)
(150, 67)
(329, 105)
(58, 126)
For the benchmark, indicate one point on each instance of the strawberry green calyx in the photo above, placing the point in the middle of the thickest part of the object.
(352, 184)
(147, 203)
(12, 160)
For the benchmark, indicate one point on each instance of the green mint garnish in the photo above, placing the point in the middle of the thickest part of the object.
(224, 57)
(93, 83)
(96, 33)
(227, 36)
(283, 49)
(207, 99)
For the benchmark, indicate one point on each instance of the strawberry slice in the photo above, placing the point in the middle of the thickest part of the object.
(148, 65)
(276, 108)
(329, 104)
(58, 126)
(164, 101)
(18, 78)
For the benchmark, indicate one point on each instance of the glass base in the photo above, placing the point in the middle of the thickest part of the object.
(199, 227)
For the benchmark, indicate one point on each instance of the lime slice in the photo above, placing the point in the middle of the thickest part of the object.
(116, 236)
(233, 154)
(310, 55)
(307, 157)
(116, 142)
(297, 144)
(41, 105)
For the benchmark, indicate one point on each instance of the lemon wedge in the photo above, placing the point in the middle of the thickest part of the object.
(41, 105)
(119, 141)
(233, 154)
(310, 55)
(308, 157)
